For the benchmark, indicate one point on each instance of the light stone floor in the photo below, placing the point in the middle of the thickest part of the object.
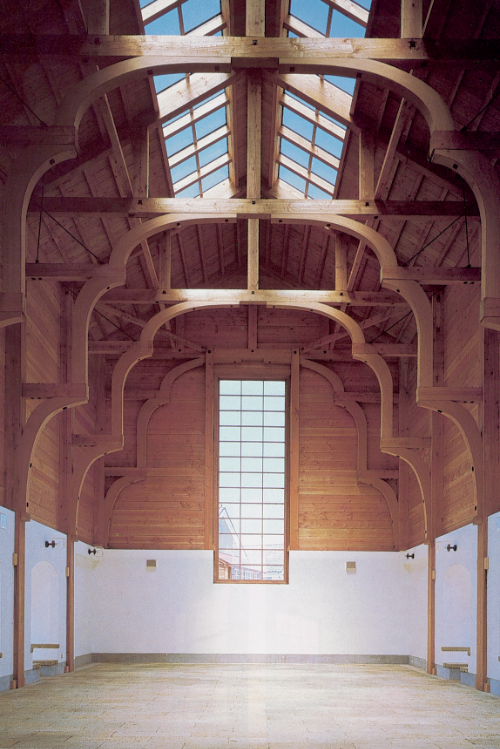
(248, 707)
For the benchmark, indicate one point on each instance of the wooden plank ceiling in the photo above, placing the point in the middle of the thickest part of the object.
(122, 154)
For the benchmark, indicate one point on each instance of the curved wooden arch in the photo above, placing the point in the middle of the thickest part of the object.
(428, 101)
(481, 177)
(468, 428)
(422, 474)
(106, 509)
(150, 406)
(353, 407)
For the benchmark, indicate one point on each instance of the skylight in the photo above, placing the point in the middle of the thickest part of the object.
(311, 141)
(196, 134)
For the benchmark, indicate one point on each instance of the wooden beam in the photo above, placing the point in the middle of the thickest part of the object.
(141, 207)
(469, 141)
(214, 54)
(97, 16)
(271, 298)
(367, 139)
(255, 18)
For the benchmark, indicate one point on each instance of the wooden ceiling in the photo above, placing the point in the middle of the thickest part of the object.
(386, 157)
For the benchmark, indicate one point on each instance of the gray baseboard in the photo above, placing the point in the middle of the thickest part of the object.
(417, 662)
(83, 660)
(246, 658)
(495, 687)
(56, 670)
(5, 682)
(468, 679)
(32, 675)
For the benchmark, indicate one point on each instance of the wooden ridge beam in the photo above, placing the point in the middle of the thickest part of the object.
(278, 298)
(24, 135)
(207, 53)
(480, 140)
(141, 207)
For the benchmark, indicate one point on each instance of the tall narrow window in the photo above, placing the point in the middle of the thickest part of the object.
(252, 440)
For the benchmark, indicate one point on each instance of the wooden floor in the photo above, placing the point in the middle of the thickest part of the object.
(261, 706)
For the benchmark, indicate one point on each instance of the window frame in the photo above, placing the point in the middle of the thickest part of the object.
(239, 377)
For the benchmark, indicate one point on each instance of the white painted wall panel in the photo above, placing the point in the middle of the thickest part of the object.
(494, 597)
(456, 596)
(6, 597)
(178, 609)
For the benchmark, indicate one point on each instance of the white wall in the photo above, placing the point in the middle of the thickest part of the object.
(494, 597)
(178, 609)
(456, 596)
(48, 617)
(6, 597)
(417, 600)
(85, 608)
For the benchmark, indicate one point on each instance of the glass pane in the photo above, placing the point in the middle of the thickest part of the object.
(274, 511)
(229, 464)
(229, 433)
(273, 403)
(251, 511)
(252, 434)
(274, 496)
(251, 496)
(274, 434)
(229, 448)
(230, 418)
(252, 479)
(274, 387)
(252, 418)
(251, 464)
(252, 387)
(230, 402)
(274, 419)
(229, 495)
(251, 449)
(251, 403)
(274, 450)
(274, 464)
(229, 479)
(271, 480)
(251, 526)
(275, 541)
(229, 387)
(274, 526)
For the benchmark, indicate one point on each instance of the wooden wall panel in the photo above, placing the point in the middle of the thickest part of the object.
(166, 510)
(335, 512)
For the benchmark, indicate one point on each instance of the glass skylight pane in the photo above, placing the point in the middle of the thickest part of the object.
(295, 153)
(213, 179)
(194, 12)
(167, 24)
(365, 3)
(292, 179)
(346, 84)
(297, 123)
(210, 123)
(312, 12)
(143, 3)
(182, 170)
(324, 171)
(316, 194)
(192, 191)
(345, 27)
(213, 152)
(165, 81)
(179, 141)
(328, 143)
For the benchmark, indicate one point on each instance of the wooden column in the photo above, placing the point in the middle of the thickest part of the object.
(66, 428)
(411, 19)
(490, 501)
(166, 262)
(209, 451)
(70, 604)
(437, 446)
(14, 499)
(294, 449)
